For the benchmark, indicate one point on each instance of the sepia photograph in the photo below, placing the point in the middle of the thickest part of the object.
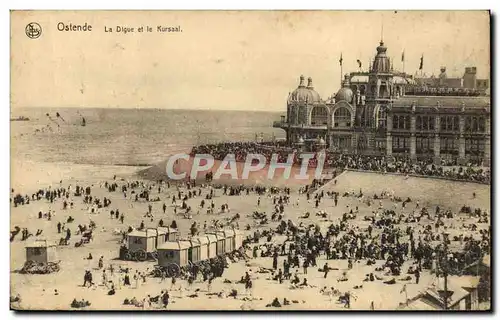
(269, 160)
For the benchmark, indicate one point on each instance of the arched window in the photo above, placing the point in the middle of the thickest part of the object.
(319, 116)
(407, 123)
(456, 125)
(342, 117)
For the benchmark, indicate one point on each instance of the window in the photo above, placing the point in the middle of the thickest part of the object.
(482, 124)
(362, 89)
(424, 145)
(401, 144)
(380, 144)
(424, 123)
(292, 115)
(137, 240)
(449, 145)
(37, 252)
(302, 115)
(449, 123)
(474, 146)
(475, 125)
(381, 117)
(319, 116)
(407, 123)
(468, 124)
(342, 117)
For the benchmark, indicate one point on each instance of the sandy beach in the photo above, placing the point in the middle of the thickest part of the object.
(37, 291)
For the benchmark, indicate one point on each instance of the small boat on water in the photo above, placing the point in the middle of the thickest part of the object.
(21, 118)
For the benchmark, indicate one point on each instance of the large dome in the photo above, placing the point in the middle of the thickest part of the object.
(305, 94)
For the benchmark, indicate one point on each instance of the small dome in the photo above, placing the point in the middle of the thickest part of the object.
(344, 94)
(305, 94)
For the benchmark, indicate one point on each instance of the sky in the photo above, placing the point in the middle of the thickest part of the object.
(229, 60)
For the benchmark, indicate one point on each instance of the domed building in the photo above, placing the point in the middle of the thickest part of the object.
(306, 109)
(385, 112)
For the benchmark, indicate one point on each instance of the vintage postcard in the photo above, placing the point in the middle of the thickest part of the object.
(250, 160)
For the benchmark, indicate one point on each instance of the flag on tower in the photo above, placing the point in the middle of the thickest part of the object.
(340, 61)
(421, 63)
(359, 63)
(403, 56)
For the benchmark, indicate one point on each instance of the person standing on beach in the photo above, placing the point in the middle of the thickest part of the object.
(165, 299)
(172, 286)
(136, 279)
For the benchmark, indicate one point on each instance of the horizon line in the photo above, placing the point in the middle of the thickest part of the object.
(146, 108)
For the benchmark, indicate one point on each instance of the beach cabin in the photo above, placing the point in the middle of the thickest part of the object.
(173, 252)
(194, 250)
(171, 234)
(146, 240)
(221, 243)
(212, 245)
(229, 240)
(41, 252)
(204, 246)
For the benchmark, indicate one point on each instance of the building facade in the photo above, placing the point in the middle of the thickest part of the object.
(385, 112)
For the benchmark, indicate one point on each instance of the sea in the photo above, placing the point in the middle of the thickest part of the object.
(131, 137)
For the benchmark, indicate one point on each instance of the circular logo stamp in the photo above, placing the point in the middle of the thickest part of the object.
(33, 30)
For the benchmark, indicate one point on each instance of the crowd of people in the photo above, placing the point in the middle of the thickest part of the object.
(397, 164)
(443, 91)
